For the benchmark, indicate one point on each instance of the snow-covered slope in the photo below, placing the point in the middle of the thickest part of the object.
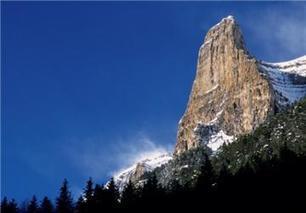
(136, 171)
(296, 66)
(288, 80)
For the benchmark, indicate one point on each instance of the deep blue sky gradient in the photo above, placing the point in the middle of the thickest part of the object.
(74, 72)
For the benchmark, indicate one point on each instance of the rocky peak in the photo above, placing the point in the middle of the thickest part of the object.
(229, 27)
(229, 95)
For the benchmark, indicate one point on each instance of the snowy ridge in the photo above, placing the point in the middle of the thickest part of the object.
(296, 66)
(288, 79)
(149, 164)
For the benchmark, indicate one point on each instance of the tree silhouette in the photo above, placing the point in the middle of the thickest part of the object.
(46, 206)
(278, 181)
(33, 206)
(64, 203)
(8, 206)
(80, 205)
(4, 205)
(207, 175)
(89, 190)
(89, 196)
(128, 197)
(151, 193)
(100, 198)
(112, 194)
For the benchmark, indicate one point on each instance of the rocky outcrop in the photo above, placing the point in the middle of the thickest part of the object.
(229, 96)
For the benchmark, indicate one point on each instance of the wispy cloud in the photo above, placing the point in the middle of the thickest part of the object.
(144, 148)
(281, 33)
(95, 160)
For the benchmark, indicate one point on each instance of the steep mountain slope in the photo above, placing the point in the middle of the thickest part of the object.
(288, 80)
(233, 93)
(229, 96)
(285, 129)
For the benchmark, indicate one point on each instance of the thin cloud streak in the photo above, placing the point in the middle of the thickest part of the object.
(280, 32)
(93, 160)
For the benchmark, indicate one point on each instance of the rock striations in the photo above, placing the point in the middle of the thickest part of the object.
(229, 96)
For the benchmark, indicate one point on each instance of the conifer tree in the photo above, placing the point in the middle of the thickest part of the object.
(33, 206)
(151, 191)
(46, 206)
(89, 190)
(64, 203)
(207, 175)
(128, 196)
(113, 193)
(80, 205)
(9, 206)
(100, 199)
(89, 195)
(4, 205)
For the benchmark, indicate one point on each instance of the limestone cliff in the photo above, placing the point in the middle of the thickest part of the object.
(229, 96)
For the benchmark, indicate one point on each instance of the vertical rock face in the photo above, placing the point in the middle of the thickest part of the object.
(229, 96)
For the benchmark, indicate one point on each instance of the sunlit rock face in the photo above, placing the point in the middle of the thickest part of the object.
(229, 96)
(233, 92)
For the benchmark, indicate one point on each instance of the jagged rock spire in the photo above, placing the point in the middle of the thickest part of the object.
(229, 95)
(227, 26)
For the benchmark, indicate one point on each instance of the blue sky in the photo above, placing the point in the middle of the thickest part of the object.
(88, 87)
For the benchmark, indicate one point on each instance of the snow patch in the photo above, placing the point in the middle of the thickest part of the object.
(288, 79)
(218, 140)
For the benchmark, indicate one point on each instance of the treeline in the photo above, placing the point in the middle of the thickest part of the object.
(279, 182)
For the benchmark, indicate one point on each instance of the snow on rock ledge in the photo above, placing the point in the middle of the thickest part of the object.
(288, 80)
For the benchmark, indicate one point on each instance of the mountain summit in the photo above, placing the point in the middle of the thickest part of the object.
(232, 94)
(229, 96)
